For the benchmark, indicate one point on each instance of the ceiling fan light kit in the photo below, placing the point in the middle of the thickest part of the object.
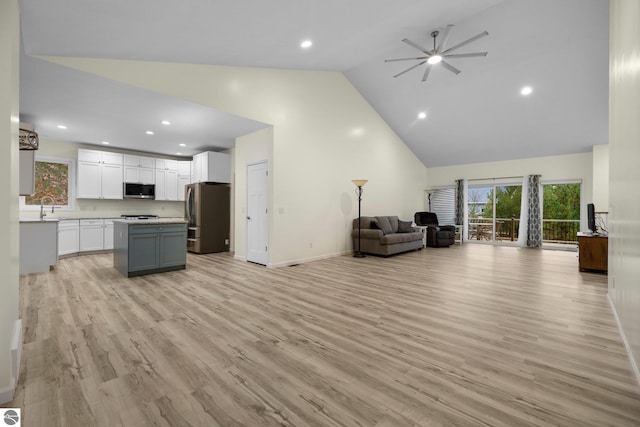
(438, 54)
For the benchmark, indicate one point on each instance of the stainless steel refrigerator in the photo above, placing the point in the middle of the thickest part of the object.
(207, 209)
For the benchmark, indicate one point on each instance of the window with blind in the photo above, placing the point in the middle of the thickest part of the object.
(443, 203)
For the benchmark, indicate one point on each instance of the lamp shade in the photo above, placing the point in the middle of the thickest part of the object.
(359, 182)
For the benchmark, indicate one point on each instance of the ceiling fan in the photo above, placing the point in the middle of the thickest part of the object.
(439, 53)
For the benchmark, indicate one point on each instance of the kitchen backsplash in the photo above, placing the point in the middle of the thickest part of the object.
(89, 208)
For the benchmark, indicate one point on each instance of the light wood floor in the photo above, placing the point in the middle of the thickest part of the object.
(467, 335)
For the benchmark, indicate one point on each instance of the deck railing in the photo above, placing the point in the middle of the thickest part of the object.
(553, 230)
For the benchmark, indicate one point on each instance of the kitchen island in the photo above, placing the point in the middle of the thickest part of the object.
(146, 246)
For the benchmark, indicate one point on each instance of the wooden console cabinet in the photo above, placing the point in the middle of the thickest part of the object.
(593, 252)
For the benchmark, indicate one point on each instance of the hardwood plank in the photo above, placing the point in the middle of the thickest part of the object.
(467, 335)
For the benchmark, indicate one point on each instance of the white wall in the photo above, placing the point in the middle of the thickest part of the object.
(252, 148)
(551, 168)
(9, 250)
(325, 135)
(87, 208)
(601, 177)
(624, 152)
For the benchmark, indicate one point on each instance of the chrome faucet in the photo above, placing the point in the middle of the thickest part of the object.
(42, 212)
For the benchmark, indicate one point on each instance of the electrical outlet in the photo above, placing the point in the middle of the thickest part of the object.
(226, 241)
(310, 245)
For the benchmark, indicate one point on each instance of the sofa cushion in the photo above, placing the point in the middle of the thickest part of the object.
(405, 227)
(390, 239)
(374, 225)
(384, 224)
(367, 233)
(393, 220)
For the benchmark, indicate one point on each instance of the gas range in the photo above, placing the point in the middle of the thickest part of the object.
(139, 216)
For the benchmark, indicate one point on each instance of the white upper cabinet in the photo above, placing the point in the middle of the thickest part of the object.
(94, 156)
(99, 175)
(91, 156)
(167, 164)
(212, 167)
(111, 158)
(166, 185)
(139, 161)
(112, 181)
(184, 168)
(139, 169)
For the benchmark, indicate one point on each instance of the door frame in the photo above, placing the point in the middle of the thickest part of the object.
(268, 204)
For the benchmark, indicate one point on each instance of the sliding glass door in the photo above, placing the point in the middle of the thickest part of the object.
(560, 213)
(494, 212)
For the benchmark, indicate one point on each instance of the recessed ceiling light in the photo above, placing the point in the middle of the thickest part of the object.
(183, 145)
(526, 90)
(62, 127)
(149, 132)
(106, 142)
(166, 122)
(306, 44)
(179, 154)
(422, 115)
(434, 59)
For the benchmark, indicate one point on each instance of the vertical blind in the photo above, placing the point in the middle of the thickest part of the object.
(443, 203)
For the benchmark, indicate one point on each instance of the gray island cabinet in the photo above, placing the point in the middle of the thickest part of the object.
(149, 246)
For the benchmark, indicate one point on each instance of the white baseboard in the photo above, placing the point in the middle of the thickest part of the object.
(6, 394)
(634, 365)
(304, 260)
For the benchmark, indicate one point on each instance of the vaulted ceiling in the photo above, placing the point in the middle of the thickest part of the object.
(558, 47)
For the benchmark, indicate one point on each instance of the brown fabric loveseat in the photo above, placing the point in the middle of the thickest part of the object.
(385, 235)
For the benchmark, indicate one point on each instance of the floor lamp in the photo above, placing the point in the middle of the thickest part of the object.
(359, 183)
(429, 193)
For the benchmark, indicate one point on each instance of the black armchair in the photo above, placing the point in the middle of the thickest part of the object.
(437, 235)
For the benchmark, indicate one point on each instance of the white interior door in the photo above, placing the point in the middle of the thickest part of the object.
(257, 213)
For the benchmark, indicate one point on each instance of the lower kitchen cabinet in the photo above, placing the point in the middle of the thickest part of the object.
(96, 234)
(143, 251)
(172, 250)
(149, 248)
(85, 235)
(68, 237)
(91, 235)
(108, 234)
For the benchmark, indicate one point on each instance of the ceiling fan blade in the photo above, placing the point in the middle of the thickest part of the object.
(406, 59)
(450, 67)
(410, 68)
(466, 42)
(444, 37)
(426, 73)
(417, 46)
(465, 55)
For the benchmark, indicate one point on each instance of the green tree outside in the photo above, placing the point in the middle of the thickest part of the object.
(561, 201)
(508, 202)
(561, 207)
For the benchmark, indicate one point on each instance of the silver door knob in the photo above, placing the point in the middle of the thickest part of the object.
(249, 218)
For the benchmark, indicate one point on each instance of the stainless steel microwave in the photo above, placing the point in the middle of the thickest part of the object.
(139, 191)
